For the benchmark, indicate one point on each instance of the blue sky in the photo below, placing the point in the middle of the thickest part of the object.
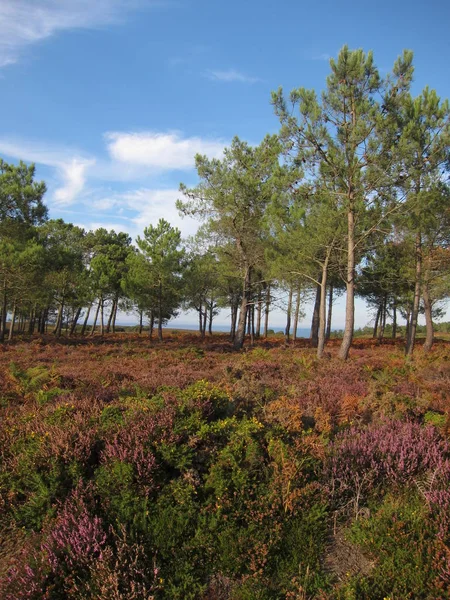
(112, 98)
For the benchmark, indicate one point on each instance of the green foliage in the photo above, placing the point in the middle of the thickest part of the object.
(399, 536)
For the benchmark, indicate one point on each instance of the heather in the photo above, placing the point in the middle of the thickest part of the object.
(131, 469)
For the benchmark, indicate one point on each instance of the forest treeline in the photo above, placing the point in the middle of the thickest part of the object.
(351, 196)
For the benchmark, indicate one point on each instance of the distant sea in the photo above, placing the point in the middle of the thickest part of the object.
(301, 332)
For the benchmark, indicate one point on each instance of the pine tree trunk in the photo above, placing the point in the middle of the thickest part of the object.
(323, 307)
(102, 322)
(110, 318)
(233, 322)
(429, 339)
(314, 335)
(160, 333)
(4, 313)
(296, 314)
(240, 333)
(330, 312)
(394, 319)
(83, 329)
(115, 315)
(211, 316)
(57, 329)
(408, 323)
(152, 325)
(205, 320)
(140, 321)
(266, 313)
(252, 324)
(200, 320)
(11, 325)
(382, 319)
(258, 315)
(75, 321)
(350, 283)
(94, 324)
(31, 321)
(287, 331)
(415, 309)
(377, 320)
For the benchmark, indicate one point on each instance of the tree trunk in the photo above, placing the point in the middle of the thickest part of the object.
(151, 325)
(323, 306)
(258, 315)
(205, 320)
(350, 283)
(377, 320)
(57, 329)
(252, 324)
(394, 319)
(160, 334)
(287, 331)
(266, 314)
(200, 320)
(4, 313)
(428, 317)
(94, 324)
(233, 322)
(140, 321)
(83, 329)
(75, 321)
(296, 314)
(330, 312)
(314, 335)
(110, 318)
(240, 333)
(408, 323)
(415, 309)
(11, 325)
(211, 316)
(382, 319)
(115, 316)
(102, 321)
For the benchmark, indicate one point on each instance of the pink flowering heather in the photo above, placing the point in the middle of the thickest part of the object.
(77, 538)
(390, 453)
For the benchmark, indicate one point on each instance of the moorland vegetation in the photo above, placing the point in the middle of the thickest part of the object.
(205, 468)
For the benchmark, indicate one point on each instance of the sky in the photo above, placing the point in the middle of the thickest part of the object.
(112, 99)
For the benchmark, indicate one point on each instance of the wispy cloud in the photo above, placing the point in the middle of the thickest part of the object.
(26, 22)
(131, 158)
(74, 177)
(160, 151)
(71, 167)
(230, 76)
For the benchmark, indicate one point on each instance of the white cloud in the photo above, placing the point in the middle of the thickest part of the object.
(160, 151)
(26, 22)
(71, 168)
(231, 75)
(74, 175)
(154, 204)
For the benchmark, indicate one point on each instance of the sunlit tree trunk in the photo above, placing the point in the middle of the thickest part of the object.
(240, 333)
(297, 313)
(350, 283)
(330, 312)
(415, 308)
(287, 331)
(314, 335)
